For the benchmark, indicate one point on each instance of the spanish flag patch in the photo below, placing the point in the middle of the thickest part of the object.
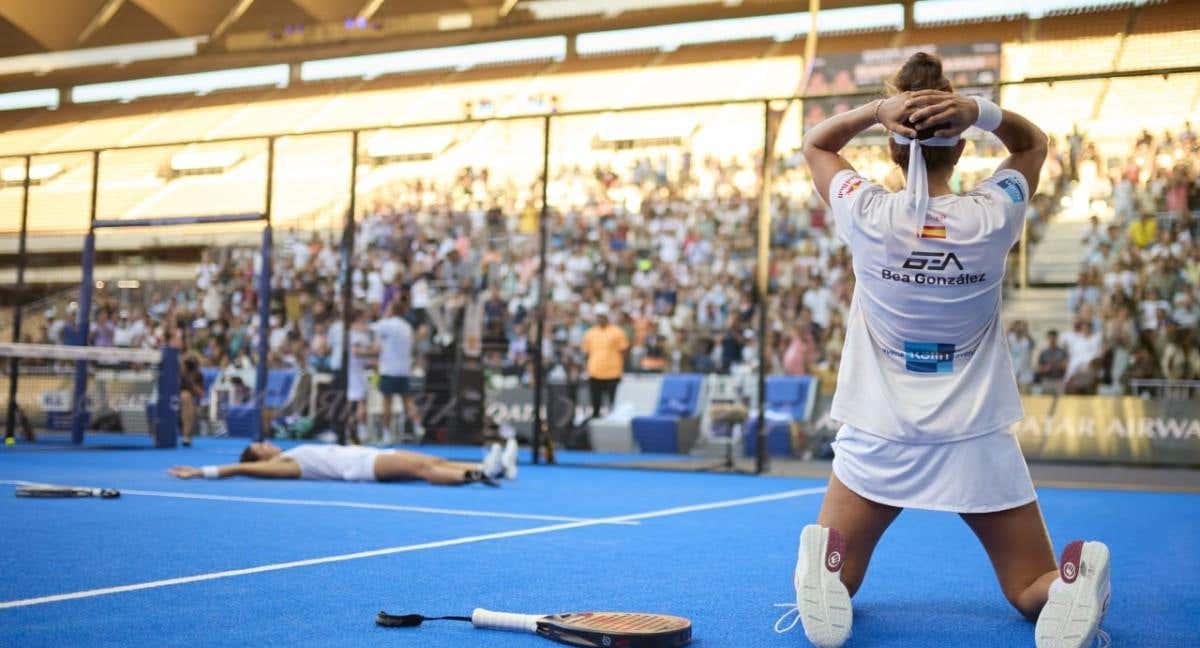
(933, 231)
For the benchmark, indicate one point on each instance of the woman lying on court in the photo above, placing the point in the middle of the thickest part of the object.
(926, 393)
(359, 463)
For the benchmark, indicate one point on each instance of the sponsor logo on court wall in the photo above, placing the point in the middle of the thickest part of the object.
(1093, 429)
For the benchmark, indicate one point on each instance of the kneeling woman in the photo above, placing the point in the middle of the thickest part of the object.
(357, 463)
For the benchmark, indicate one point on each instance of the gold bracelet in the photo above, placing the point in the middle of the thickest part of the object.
(878, 102)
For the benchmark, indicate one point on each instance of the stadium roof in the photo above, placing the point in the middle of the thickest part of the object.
(103, 41)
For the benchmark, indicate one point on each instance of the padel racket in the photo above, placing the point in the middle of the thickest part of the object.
(49, 490)
(588, 629)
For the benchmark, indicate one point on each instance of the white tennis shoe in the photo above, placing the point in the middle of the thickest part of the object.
(508, 458)
(1078, 598)
(493, 463)
(822, 601)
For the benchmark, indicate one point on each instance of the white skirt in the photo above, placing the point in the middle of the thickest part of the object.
(981, 474)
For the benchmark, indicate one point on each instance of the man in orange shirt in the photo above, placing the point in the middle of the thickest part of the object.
(605, 346)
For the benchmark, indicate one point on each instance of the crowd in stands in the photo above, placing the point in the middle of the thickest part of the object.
(667, 243)
(1135, 308)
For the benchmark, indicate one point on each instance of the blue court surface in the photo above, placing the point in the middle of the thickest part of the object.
(247, 562)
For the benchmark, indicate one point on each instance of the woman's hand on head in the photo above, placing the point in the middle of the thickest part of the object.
(184, 472)
(893, 114)
(950, 113)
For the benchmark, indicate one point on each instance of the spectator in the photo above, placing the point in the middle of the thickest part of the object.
(1086, 380)
(1144, 230)
(605, 346)
(394, 342)
(1020, 349)
(191, 392)
(1083, 344)
(1052, 361)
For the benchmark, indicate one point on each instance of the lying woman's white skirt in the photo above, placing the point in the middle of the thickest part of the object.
(978, 475)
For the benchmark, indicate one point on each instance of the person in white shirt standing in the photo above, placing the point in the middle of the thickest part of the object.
(926, 392)
(394, 340)
(361, 349)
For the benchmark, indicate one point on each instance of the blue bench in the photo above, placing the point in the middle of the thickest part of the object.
(788, 399)
(675, 423)
(245, 419)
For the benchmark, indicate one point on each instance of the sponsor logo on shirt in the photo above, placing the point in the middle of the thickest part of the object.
(919, 260)
(929, 357)
(922, 260)
(1012, 188)
(849, 186)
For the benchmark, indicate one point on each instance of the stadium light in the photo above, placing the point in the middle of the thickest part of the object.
(951, 11)
(37, 172)
(779, 27)
(555, 9)
(47, 98)
(199, 83)
(459, 57)
(204, 161)
(114, 55)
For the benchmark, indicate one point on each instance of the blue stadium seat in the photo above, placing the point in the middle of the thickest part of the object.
(210, 376)
(245, 420)
(788, 399)
(675, 423)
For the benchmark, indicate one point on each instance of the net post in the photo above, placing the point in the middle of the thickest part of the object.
(762, 284)
(264, 303)
(264, 332)
(14, 367)
(538, 382)
(166, 407)
(342, 420)
(79, 410)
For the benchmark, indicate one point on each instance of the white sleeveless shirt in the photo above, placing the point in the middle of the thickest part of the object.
(349, 463)
(925, 358)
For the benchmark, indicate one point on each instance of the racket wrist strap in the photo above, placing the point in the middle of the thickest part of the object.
(482, 618)
(210, 472)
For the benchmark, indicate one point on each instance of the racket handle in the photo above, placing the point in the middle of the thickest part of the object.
(482, 618)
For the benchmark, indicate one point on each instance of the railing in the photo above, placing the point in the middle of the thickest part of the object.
(1166, 389)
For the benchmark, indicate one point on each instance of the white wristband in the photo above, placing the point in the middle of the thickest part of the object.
(210, 472)
(990, 115)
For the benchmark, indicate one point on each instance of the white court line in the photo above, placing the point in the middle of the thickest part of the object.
(342, 504)
(679, 510)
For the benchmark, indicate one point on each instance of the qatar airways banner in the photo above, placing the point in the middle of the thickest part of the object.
(1092, 429)
(971, 67)
(1119, 429)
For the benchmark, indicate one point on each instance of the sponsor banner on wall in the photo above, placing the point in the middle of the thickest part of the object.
(1120, 429)
(1092, 429)
(513, 405)
(970, 67)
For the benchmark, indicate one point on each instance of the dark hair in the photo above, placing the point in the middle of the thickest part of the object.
(922, 71)
(248, 455)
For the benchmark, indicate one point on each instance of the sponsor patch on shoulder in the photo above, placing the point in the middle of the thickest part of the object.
(1013, 189)
(849, 186)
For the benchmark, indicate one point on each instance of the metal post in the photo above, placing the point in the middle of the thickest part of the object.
(762, 287)
(14, 367)
(538, 382)
(79, 412)
(348, 232)
(264, 302)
